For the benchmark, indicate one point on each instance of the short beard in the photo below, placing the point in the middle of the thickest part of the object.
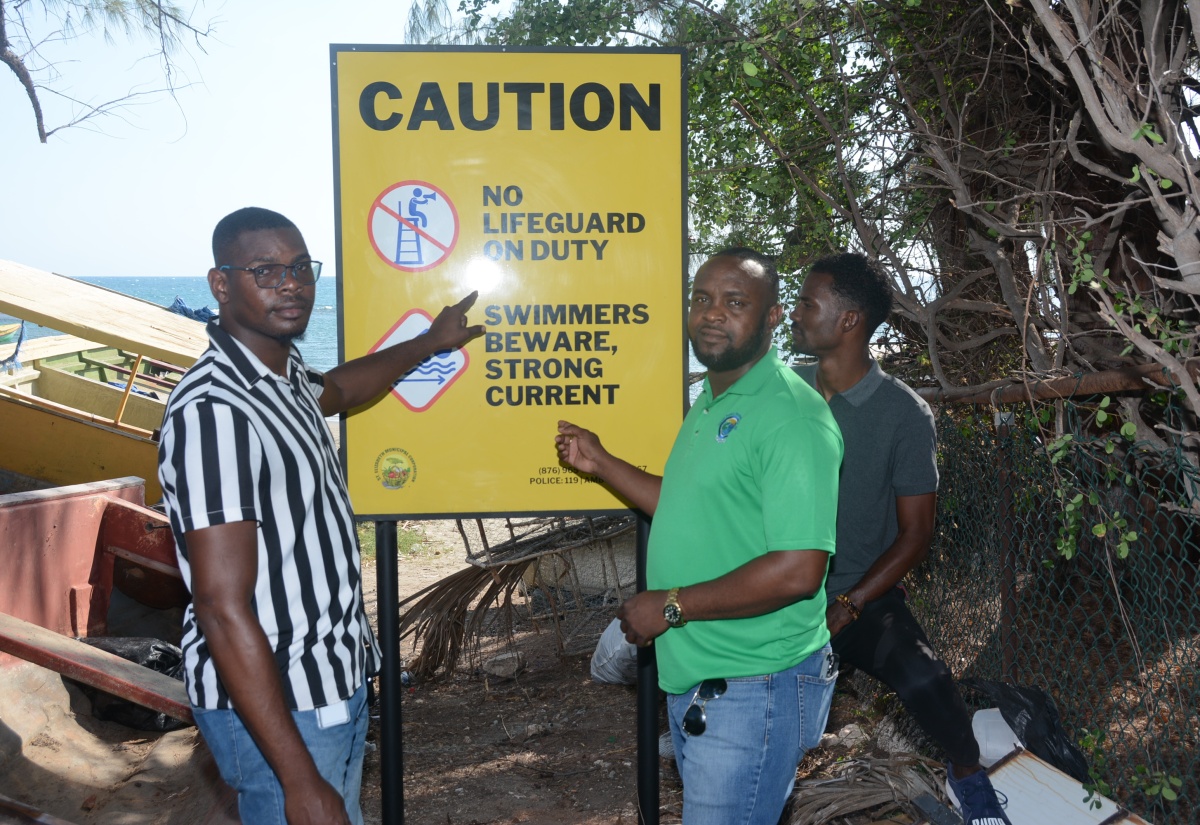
(288, 340)
(732, 359)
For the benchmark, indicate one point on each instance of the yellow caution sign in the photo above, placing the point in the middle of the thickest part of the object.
(553, 182)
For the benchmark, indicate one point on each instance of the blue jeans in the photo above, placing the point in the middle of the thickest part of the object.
(741, 769)
(337, 751)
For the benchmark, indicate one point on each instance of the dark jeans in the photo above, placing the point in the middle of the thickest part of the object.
(887, 642)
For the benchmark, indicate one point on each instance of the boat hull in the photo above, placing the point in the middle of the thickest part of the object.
(58, 448)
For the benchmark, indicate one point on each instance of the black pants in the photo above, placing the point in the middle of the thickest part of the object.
(887, 642)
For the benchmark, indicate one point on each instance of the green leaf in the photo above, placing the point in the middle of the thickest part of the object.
(1137, 174)
(1169, 795)
(1098, 530)
(749, 68)
(1165, 184)
(1129, 430)
(1101, 416)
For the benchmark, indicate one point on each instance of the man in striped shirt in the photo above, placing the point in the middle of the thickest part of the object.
(276, 642)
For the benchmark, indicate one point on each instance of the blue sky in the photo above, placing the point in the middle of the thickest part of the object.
(138, 196)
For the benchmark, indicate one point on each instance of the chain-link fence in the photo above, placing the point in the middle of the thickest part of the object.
(1071, 563)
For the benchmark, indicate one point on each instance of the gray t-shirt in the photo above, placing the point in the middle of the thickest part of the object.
(890, 450)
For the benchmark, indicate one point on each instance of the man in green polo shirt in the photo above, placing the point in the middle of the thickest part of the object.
(744, 520)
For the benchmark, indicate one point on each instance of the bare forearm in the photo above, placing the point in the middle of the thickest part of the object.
(914, 518)
(365, 379)
(581, 449)
(247, 668)
(761, 586)
(638, 487)
(915, 525)
(885, 573)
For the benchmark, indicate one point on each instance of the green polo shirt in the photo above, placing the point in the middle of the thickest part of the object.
(752, 471)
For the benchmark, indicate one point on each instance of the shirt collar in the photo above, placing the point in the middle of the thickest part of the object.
(245, 362)
(755, 377)
(866, 386)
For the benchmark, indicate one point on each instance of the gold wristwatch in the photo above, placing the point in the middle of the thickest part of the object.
(672, 611)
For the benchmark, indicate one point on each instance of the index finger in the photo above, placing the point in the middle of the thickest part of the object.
(468, 302)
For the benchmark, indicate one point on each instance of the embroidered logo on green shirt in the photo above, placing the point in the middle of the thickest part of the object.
(728, 426)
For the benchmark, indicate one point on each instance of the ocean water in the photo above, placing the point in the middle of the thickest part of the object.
(319, 345)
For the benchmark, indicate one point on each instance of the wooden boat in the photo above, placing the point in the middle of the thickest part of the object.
(88, 561)
(9, 332)
(86, 405)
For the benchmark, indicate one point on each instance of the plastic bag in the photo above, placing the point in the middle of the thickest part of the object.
(152, 653)
(1031, 714)
(615, 660)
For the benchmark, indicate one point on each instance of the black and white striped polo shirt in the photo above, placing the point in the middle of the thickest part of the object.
(241, 443)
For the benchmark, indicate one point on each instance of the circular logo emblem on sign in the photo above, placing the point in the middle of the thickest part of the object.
(413, 226)
(394, 468)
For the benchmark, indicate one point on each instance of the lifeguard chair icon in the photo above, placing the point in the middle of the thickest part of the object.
(409, 248)
(413, 225)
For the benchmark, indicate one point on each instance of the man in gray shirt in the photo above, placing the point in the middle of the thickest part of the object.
(887, 500)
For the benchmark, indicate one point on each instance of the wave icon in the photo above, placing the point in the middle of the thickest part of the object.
(437, 368)
(422, 385)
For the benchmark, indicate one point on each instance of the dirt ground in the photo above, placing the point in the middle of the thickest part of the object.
(550, 747)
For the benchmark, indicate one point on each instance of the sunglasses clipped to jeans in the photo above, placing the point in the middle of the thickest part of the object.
(695, 721)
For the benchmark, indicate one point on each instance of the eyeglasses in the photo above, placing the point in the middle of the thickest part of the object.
(695, 721)
(272, 276)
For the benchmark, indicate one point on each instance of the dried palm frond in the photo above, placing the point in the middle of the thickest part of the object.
(441, 614)
(445, 614)
(861, 785)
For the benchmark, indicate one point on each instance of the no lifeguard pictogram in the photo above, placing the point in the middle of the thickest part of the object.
(413, 226)
(425, 383)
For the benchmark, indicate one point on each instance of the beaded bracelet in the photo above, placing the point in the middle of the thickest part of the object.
(845, 602)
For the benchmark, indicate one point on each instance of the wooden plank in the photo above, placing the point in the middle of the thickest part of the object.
(52, 346)
(98, 314)
(92, 397)
(72, 412)
(18, 813)
(97, 668)
(1038, 792)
